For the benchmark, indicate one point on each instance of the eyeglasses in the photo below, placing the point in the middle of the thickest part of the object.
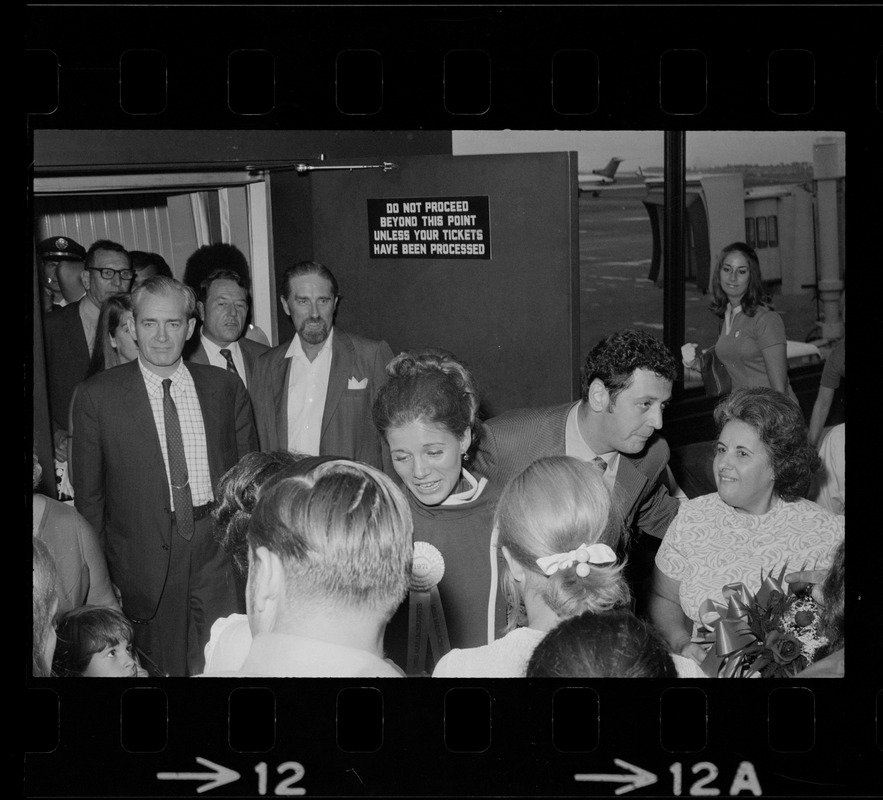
(108, 274)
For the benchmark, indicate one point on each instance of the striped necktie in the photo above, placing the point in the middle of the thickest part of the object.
(231, 367)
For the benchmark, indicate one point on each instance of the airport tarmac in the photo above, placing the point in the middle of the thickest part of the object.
(615, 248)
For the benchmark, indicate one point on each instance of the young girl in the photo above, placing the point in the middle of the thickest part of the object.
(96, 642)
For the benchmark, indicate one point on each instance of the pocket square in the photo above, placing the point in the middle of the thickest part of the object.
(357, 384)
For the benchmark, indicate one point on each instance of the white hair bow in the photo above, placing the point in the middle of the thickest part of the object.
(584, 555)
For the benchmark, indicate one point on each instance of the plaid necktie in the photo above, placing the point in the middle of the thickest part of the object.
(178, 476)
(231, 367)
(600, 463)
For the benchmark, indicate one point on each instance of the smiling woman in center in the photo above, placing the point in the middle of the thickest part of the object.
(428, 414)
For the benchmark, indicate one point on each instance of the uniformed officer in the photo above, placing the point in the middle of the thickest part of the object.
(61, 264)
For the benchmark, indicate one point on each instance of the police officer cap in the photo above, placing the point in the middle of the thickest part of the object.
(61, 248)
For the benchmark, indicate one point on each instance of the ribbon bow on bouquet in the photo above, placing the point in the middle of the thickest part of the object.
(737, 630)
(584, 555)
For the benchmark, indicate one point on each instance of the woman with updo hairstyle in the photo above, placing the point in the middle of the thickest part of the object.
(428, 414)
(559, 531)
(236, 496)
(556, 506)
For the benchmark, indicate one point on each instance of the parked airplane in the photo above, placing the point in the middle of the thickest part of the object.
(592, 181)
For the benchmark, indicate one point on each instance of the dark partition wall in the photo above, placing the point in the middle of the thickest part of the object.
(513, 316)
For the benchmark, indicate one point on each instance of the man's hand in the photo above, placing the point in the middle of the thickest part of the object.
(60, 439)
(809, 577)
(694, 651)
(688, 355)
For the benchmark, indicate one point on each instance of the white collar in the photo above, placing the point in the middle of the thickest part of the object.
(730, 315)
(215, 349)
(476, 487)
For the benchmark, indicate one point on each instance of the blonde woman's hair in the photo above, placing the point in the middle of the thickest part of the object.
(555, 505)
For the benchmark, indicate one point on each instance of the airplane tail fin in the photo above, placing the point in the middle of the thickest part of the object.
(610, 170)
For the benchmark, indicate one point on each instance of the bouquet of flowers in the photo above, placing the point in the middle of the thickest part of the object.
(774, 633)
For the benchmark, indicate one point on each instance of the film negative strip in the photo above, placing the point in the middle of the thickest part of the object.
(205, 92)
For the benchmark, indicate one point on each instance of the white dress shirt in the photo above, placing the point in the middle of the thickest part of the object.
(307, 389)
(183, 391)
(89, 318)
(213, 353)
(576, 446)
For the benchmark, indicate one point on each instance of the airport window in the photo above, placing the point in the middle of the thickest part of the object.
(750, 238)
(773, 225)
(761, 232)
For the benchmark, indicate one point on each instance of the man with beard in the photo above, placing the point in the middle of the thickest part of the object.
(314, 395)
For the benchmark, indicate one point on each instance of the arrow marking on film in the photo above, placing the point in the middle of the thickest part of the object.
(218, 777)
(638, 778)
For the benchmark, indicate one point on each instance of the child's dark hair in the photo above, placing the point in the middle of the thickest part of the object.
(612, 644)
(85, 631)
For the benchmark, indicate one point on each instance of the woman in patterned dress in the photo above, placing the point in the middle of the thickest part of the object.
(757, 521)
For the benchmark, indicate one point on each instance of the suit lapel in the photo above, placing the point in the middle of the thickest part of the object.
(82, 343)
(248, 359)
(342, 360)
(144, 436)
(199, 356)
(630, 484)
(280, 374)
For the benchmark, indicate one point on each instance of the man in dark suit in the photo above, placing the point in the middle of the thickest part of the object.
(70, 331)
(626, 384)
(135, 426)
(223, 308)
(315, 394)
